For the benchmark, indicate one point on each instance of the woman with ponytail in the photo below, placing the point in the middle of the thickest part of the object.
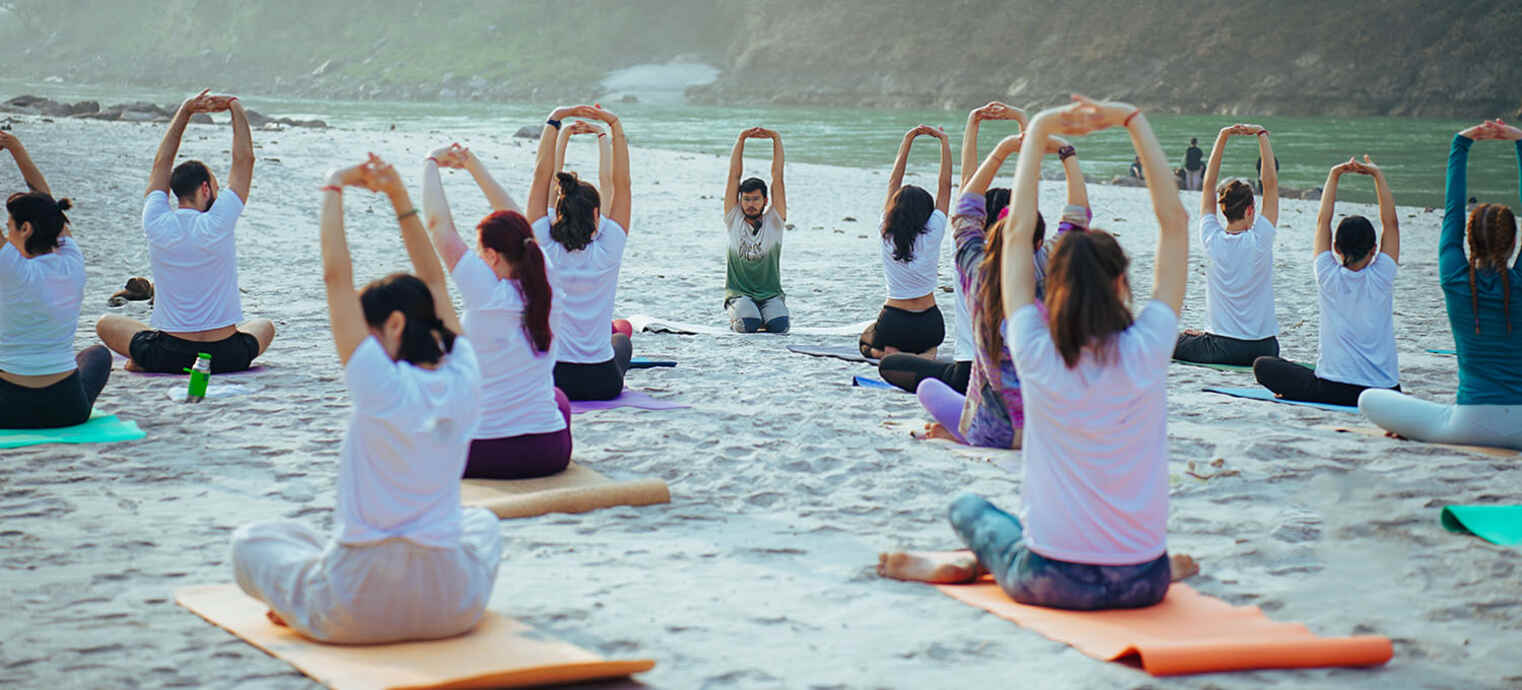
(1481, 292)
(1357, 295)
(913, 225)
(586, 247)
(1092, 529)
(43, 384)
(991, 413)
(407, 562)
(525, 428)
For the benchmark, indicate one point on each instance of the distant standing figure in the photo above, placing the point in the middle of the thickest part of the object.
(1194, 163)
(1136, 169)
(753, 276)
(1259, 166)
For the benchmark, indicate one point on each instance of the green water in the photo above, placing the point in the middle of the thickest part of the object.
(1412, 151)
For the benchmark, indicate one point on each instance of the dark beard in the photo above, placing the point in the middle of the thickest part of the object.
(755, 221)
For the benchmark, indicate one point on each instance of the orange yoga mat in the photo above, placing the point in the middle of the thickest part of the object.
(1187, 633)
(1377, 432)
(499, 653)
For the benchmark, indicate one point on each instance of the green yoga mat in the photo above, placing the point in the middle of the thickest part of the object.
(1495, 524)
(101, 428)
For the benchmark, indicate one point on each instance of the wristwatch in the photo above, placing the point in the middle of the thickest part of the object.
(1066, 152)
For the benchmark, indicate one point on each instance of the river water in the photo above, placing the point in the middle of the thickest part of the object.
(1413, 151)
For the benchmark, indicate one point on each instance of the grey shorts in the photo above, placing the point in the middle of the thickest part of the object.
(763, 313)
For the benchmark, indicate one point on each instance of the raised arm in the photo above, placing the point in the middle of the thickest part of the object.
(978, 182)
(436, 214)
(736, 169)
(1322, 242)
(458, 156)
(1269, 206)
(1078, 188)
(1171, 267)
(163, 160)
(1018, 275)
(619, 209)
(242, 174)
(779, 187)
(994, 110)
(1389, 220)
(345, 315)
(901, 162)
(383, 178)
(544, 162)
(29, 172)
(1212, 171)
(605, 185)
(943, 185)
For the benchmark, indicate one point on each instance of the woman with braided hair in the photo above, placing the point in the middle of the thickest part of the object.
(1480, 291)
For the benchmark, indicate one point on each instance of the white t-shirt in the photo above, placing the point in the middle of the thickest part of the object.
(965, 345)
(587, 280)
(1096, 441)
(194, 257)
(1357, 322)
(39, 308)
(917, 276)
(517, 382)
(404, 451)
(1239, 294)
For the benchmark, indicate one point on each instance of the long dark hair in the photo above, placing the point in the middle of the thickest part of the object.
(1081, 301)
(575, 212)
(991, 282)
(45, 215)
(424, 333)
(1492, 234)
(907, 214)
(508, 233)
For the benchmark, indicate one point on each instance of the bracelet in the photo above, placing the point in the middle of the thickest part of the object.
(404, 215)
(431, 158)
(1127, 121)
(1263, 133)
(332, 188)
(553, 123)
(1066, 152)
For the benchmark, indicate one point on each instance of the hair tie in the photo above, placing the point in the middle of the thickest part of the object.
(528, 242)
(1003, 213)
(1065, 226)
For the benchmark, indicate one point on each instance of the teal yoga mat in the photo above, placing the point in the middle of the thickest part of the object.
(1268, 396)
(1495, 524)
(101, 428)
(1444, 352)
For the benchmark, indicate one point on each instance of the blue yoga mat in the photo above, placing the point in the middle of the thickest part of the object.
(100, 428)
(1268, 396)
(869, 382)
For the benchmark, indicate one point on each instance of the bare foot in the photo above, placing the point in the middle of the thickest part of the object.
(1183, 566)
(933, 430)
(131, 365)
(1398, 437)
(936, 567)
(275, 618)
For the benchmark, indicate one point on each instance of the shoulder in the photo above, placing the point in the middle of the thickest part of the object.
(611, 232)
(937, 221)
(733, 214)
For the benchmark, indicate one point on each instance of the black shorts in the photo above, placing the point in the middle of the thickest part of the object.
(912, 332)
(162, 353)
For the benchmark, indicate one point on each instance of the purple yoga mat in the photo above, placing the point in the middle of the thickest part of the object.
(628, 398)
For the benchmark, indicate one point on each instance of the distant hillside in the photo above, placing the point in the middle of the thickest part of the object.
(1400, 57)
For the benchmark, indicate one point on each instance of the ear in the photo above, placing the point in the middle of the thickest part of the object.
(394, 325)
(25, 230)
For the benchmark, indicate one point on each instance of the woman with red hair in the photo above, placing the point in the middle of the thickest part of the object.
(525, 427)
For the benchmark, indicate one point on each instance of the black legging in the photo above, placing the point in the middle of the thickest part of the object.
(599, 380)
(907, 371)
(65, 403)
(1209, 348)
(1291, 381)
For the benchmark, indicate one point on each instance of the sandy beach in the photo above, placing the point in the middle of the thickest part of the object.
(786, 482)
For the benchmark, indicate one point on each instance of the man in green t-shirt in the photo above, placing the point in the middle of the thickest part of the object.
(753, 279)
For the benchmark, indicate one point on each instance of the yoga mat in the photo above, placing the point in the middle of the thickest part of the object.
(214, 391)
(576, 490)
(849, 353)
(869, 382)
(628, 398)
(499, 652)
(1495, 524)
(1377, 432)
(645, 322)
(99, 428)
(646, 363)
(1229, 367)
(1267, 395)
(1187, 633)
(1444, 352)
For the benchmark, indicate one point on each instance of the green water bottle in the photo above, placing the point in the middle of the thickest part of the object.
(200, 375)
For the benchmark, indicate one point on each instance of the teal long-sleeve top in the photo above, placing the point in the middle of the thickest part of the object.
(1490, 360)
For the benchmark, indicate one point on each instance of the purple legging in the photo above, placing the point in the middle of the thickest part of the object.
(523, 457)
(944, 404)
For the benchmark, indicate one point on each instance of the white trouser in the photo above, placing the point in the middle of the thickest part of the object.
(1419, 420)
(386, 591)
